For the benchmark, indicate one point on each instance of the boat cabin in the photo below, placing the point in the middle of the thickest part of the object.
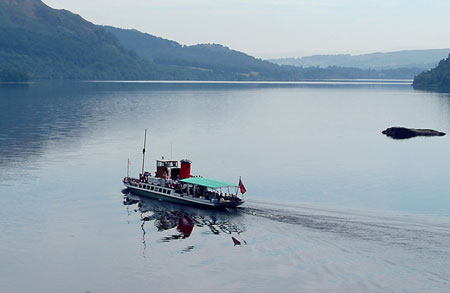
(170, 169)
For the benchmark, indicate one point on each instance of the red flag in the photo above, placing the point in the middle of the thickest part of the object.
(241, 186)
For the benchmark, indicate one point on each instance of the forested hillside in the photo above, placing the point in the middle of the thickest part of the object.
(206, 56)
(45, 43)
(233, 65)
(39, 42)
(436, 79)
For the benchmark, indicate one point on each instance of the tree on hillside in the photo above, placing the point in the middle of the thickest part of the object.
(436, 79)
(11, 75)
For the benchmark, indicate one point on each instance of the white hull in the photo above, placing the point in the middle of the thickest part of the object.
(169, 194)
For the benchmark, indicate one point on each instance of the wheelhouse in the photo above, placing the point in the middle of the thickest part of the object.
(167, 169)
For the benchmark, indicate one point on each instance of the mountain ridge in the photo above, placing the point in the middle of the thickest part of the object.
(206, 56)
(423, 59)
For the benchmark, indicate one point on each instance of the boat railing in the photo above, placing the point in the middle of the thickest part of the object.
(176, 188)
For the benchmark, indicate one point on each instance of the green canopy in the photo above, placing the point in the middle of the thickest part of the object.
(211, 183)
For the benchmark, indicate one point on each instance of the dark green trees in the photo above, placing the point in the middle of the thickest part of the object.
(11, 75)
(436, 79)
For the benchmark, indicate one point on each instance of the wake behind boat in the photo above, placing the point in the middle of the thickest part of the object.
(173, 182)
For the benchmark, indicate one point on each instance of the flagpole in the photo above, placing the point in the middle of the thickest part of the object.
(143, 152)
(128, 168)
(240, 182)
(239, 188)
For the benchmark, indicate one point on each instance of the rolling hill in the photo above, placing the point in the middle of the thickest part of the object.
(237, 65)
(204, 56)
(46, 43)
(421, 59)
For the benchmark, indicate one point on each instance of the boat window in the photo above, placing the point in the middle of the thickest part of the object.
(140, 185)
(151, 187)
(148, 186)
(160, 189)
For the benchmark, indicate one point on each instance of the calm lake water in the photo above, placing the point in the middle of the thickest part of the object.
(332, 204)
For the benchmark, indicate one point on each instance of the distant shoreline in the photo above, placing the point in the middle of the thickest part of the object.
(317, 81)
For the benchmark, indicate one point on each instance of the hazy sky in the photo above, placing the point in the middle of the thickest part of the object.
(269, 28)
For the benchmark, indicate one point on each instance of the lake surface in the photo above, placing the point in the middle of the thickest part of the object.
(332, 204)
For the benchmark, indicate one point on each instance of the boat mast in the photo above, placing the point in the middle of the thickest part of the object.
(143, 151)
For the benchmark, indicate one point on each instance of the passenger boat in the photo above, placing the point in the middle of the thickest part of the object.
(173, 182)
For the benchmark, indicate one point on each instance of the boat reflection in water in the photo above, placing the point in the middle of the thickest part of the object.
(181, 220)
